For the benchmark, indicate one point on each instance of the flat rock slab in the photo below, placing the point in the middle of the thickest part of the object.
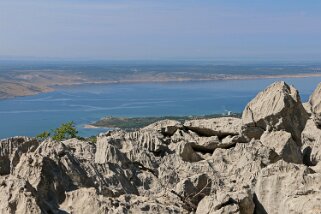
(220, 127)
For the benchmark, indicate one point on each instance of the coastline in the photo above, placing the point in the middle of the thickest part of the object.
(22, 89)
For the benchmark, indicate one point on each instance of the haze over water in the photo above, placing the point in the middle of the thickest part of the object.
(87, 103)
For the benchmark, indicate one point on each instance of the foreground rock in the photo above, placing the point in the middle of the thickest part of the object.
(202, 166)
(288, 188)
(278, 107)
(283, 144)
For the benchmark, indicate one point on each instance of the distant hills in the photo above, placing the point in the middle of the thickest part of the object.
(29, 78)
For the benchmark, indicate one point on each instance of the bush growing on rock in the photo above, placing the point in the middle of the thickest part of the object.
(44, 135)
(63, 132)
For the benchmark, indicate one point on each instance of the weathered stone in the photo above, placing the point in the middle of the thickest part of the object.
(220, 127)
(278, 107)
(166, 127)
(187, 153)
(11, 150)
(194, 188)
(283, 144)
(315, 105)
(287, 188)
(227, 202)
(311, 140)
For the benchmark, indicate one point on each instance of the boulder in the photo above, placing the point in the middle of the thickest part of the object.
(203, 144)
(278, 107)
(186, 152)
(227, 202)
(283, 144)
(166, 127)
(220, 127)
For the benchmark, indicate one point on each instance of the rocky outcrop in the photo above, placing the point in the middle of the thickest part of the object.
(283, 144)
(166, 127)
(11, 150)
(315, 105)
(220, 127)
(203, 166)
(288, 188)
(225, 202)
(278, 107)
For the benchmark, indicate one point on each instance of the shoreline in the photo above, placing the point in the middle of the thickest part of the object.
(53, 87)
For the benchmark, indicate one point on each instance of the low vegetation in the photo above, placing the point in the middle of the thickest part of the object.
(63, 132)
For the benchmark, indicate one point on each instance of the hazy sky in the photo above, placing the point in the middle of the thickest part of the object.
(161, 29)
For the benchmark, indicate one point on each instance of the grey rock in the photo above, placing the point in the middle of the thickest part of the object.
(283, 144)
(287, 188)
(277, 107)
(166, 127)
(220, 127)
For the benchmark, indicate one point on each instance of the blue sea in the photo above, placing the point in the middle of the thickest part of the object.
(87, 103)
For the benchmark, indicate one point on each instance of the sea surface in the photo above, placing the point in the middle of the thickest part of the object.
(87, 103)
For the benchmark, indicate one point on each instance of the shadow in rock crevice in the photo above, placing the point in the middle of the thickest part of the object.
(259, 209)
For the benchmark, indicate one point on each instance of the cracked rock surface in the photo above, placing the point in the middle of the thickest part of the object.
(267, 162)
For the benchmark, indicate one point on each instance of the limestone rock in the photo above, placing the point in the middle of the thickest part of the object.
(283, 144)
(86, 200)
(311, 139)
(220, 127)
(187, 153)
(17, 196)
(194, 188)
(287, 188)
(11, 150)
(278, 107)
(231, 202)
(307, 107)
(166, 127)
(315, 103)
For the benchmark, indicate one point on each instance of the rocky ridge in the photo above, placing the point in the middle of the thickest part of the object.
(268, 161)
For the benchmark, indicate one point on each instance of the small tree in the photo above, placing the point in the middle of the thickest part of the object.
(65, 131)
(42, 136)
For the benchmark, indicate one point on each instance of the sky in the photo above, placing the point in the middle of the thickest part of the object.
(161, 29)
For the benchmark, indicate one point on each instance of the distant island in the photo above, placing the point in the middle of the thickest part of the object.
(30, 78)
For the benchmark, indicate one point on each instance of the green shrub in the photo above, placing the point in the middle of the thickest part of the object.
(42, 136)
(92, 139)
(65, 131)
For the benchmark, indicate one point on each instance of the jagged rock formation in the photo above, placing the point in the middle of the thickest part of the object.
(278, 107)
(267, 162)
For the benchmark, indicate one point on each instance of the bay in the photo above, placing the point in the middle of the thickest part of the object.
(84, 104)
